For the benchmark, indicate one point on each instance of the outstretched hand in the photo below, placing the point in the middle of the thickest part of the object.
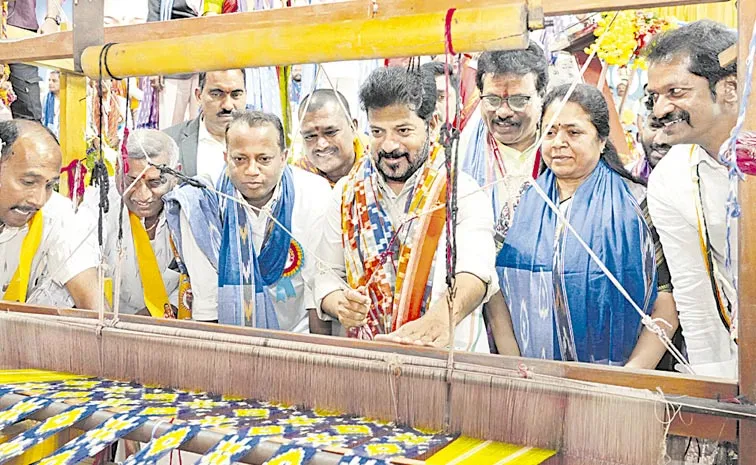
(431, 330)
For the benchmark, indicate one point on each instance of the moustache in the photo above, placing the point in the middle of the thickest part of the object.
(508, 120)
(326, 151)
(396, 154)
(669, 118)
(25, 209)
(661, 148)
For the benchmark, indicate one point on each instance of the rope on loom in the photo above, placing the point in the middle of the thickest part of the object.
(449, 137)
(119, 242)
(728, 157)
(100, 178)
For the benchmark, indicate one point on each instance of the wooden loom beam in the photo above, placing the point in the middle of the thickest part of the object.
(60, 45)
(747, 251)
(687, 424)
(473, 29)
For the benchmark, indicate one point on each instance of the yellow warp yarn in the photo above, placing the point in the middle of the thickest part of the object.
(35, 376)
(19, 284)
(155, 295)
(469, 451)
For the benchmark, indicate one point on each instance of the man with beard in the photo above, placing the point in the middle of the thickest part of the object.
(652, 353)
(696, 102)
(653, 143)
(331, 146)
(384, 230)
(45, 260)
(148, 281)
(249, 260)
(202, 141)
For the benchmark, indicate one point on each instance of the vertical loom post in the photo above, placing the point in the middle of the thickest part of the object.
(73, 117)
(747, 252)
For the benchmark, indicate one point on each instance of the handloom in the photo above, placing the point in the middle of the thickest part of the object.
(412, 388)
(297, 387)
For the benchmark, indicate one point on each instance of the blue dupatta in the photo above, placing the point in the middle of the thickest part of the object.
(552, 286)
(48, 116)
(222, 232)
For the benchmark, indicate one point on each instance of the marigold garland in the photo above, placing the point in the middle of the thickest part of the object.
(630, 31)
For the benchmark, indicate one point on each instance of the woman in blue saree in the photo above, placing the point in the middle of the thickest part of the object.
(562, 305)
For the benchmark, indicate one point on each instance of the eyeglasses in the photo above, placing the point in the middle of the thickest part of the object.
(514, 102)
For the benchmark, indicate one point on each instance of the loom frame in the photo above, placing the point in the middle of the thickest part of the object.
(61, 46)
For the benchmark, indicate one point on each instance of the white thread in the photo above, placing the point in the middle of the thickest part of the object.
(157, 425)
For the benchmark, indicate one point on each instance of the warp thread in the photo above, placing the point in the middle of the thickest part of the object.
(728, 157)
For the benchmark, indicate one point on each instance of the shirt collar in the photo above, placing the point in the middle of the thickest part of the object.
(204, 134)
(509, 152)
(700, 156)
(270, 205)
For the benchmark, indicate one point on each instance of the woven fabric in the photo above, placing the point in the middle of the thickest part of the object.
(21, 410)
(95, 440)
(230, 449)
(241, 419)
(291, 454)
(43, 431)
(167, 442)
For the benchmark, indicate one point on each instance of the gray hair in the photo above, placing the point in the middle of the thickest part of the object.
(150, 143)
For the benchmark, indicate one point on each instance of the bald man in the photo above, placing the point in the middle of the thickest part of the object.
(44, 258)
(329, 140)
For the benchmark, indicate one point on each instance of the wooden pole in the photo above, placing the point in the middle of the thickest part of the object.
(747, 252)
(60, 45)
(493, 28)
(73, 117)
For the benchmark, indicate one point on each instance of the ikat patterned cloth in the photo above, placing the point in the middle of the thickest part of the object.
(245, 423)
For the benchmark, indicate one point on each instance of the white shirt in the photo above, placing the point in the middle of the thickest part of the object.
(211, 161)
(132, 293)
(310, 194)
(63, 253)
(476, 253)
(508, 187)
(672, 204)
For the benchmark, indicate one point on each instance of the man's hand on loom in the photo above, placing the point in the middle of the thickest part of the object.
(432, 329)
(351, 307)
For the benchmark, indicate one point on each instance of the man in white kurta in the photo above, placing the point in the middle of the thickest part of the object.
(697, 103)
(402, 162)
(143, 200)
(257, 171)
(40, 242)
(498, 145)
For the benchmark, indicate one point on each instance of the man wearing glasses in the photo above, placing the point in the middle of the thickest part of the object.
(500, 149)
